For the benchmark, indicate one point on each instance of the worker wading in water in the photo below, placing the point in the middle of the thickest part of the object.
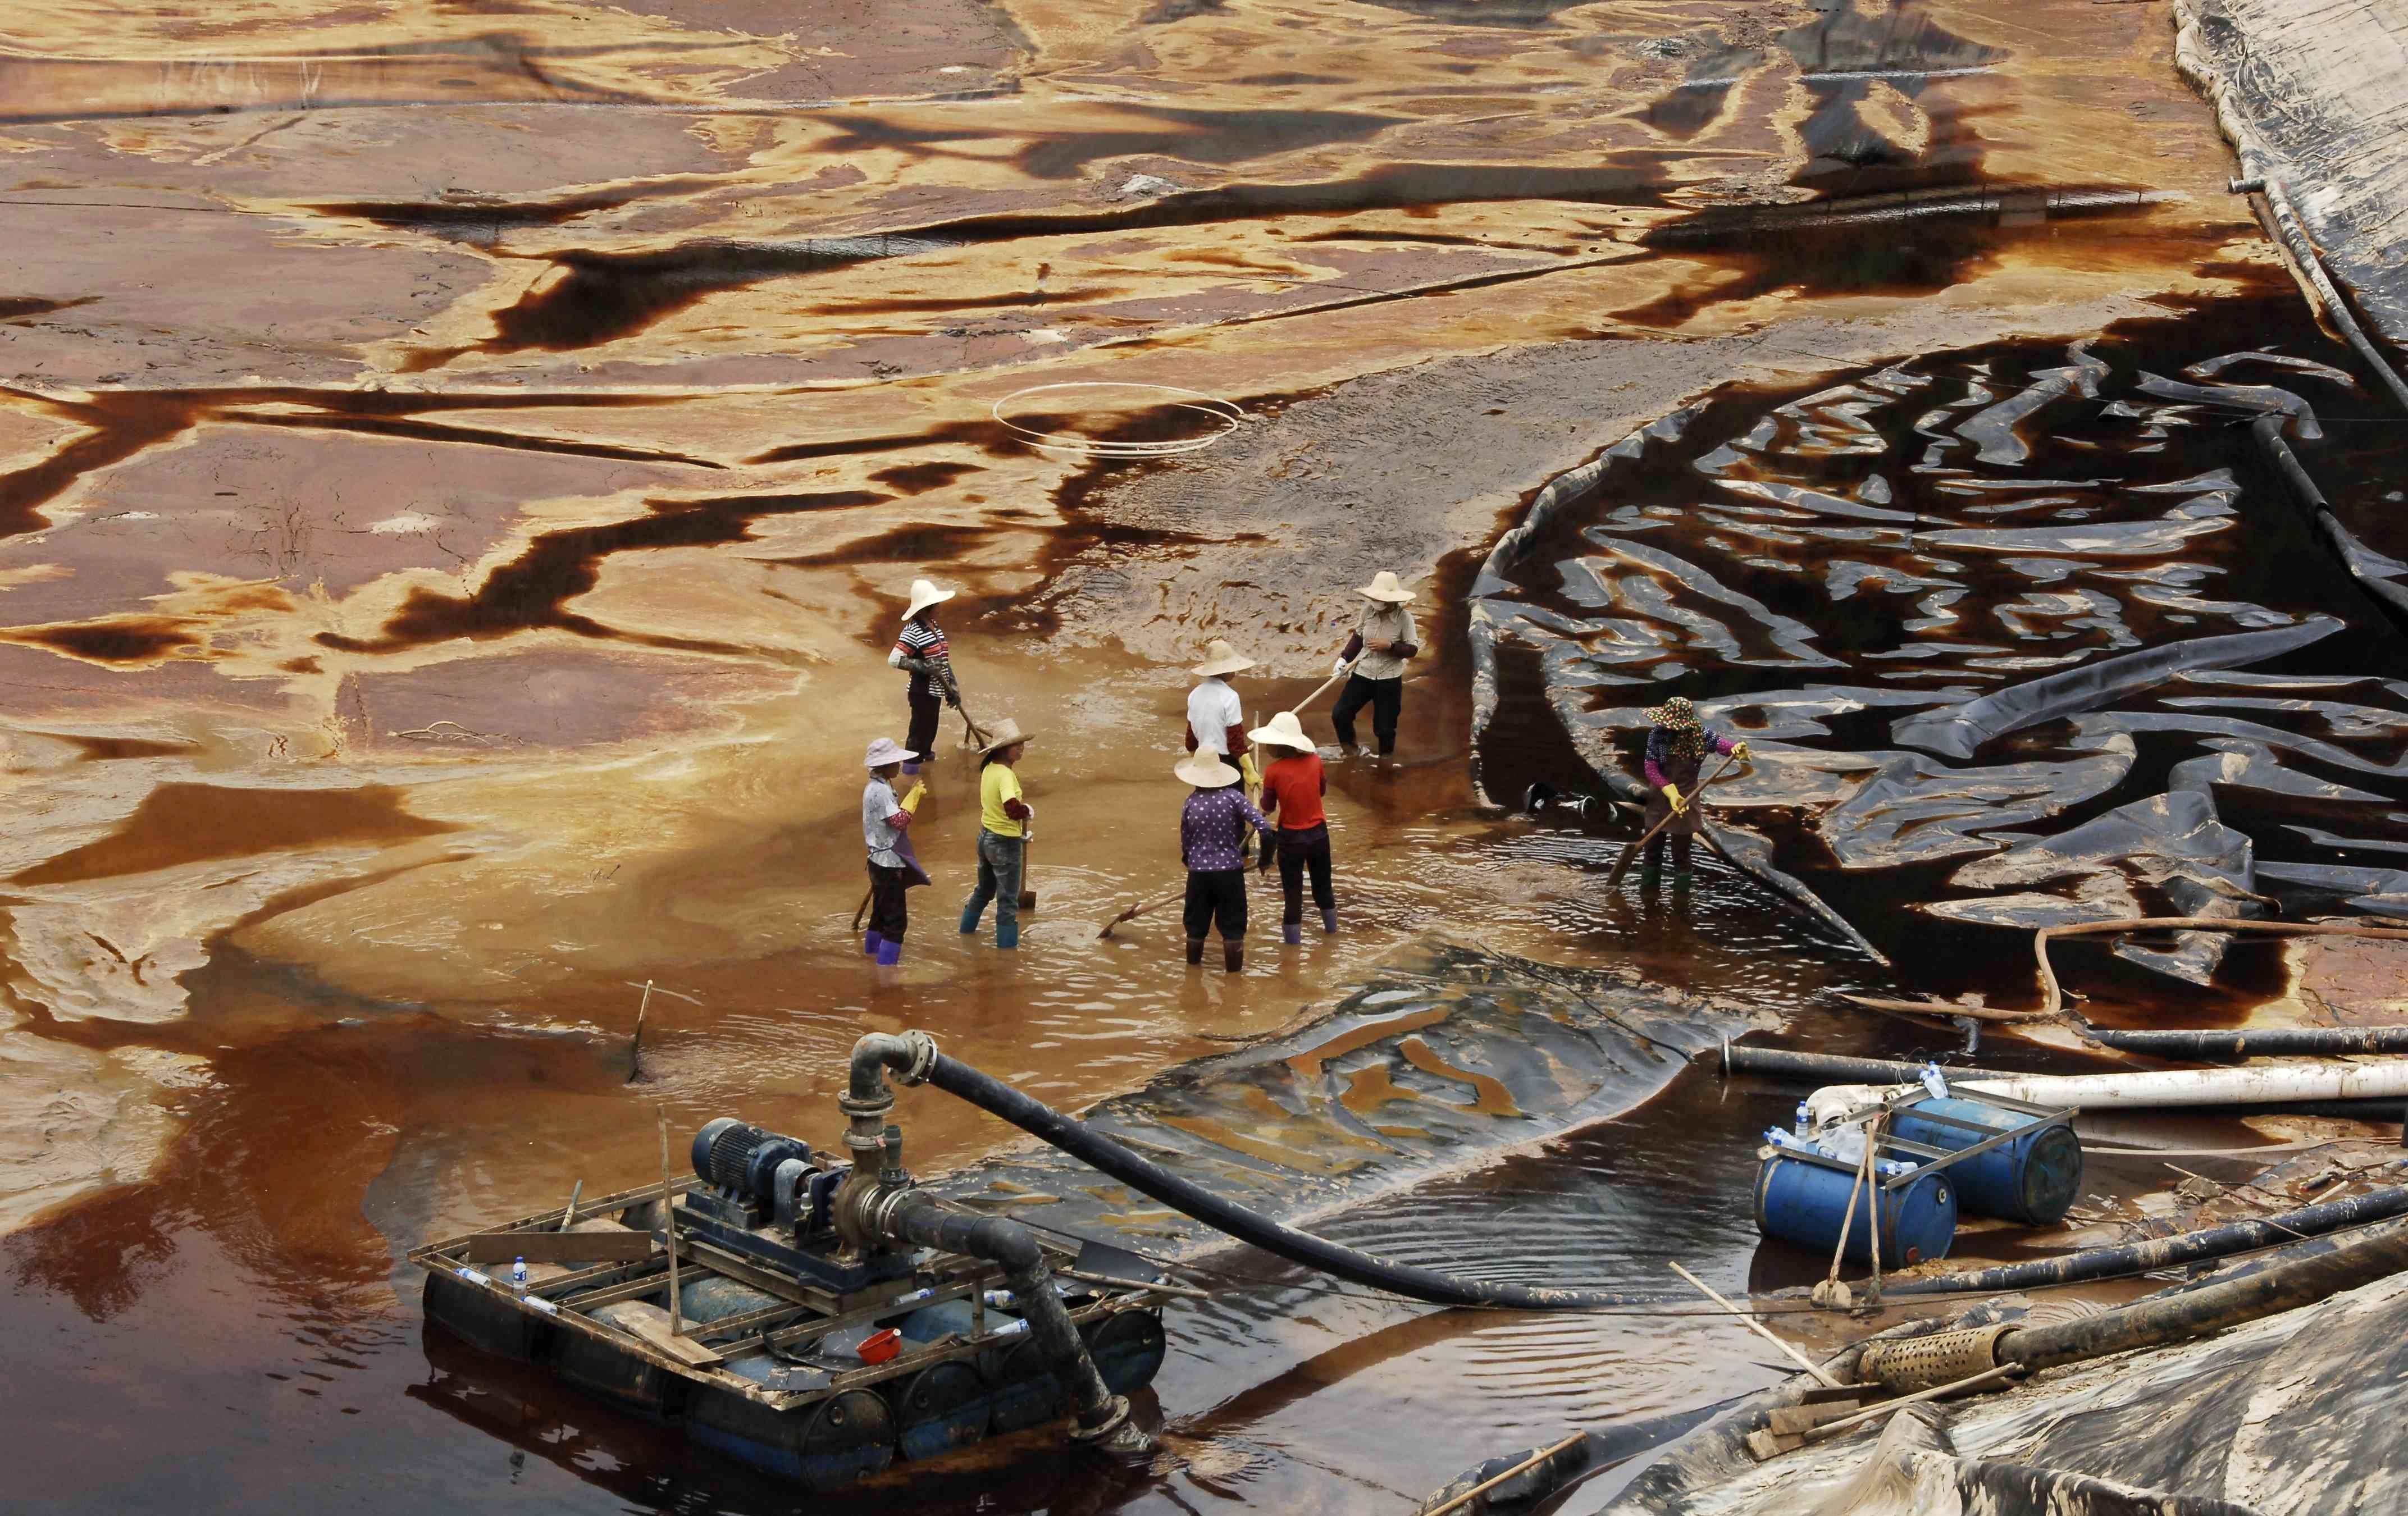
(1382, 641)
(885, 825)
(920, 650)
(1217, 720)
(1676, 750)
(1003, 836)
(1292, 786)
(1211, 830)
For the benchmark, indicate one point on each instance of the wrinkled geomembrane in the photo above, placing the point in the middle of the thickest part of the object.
(2039, 623)
(1445, 1059)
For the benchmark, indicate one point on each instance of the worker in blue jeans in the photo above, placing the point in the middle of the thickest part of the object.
(1003, 836)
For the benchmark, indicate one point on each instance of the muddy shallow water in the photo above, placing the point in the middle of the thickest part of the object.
(458, 479)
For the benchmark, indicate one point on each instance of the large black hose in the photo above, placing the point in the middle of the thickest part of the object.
(2160, 1252)
(1340, 1262)
(1102, 1416)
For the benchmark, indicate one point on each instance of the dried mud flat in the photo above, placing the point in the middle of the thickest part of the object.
(459, 467)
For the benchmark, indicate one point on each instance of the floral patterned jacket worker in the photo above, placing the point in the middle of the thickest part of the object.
(1676, 750)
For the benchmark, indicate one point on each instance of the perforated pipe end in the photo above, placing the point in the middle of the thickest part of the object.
(1926, 1362)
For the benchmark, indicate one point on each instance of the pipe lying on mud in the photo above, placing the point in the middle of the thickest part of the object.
(1872, 212)
(1786, 1063)
(2161, 1252)
(915, 1060)
(1865, 1076)
(2261, 1084)
(2263, 1042)
(2328, 1268)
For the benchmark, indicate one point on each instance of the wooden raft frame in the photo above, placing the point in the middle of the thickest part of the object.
(807, 1311)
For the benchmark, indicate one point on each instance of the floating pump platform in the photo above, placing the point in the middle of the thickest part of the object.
(830, 1316)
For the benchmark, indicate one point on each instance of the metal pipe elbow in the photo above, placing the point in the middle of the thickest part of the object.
(909, 1054)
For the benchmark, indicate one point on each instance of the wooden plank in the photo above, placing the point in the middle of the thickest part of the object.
(746, 1271)
(1765, 1445)
(1788, 1421)
(549, 1220)
(752, 1320)
(621, 1246)
(651, 1323)
(560, 1285)
(652, 1282)
(1817, 1395)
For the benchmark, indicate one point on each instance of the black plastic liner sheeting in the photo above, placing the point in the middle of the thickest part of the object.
(1446, 1059)
(2019, 635)
(2290, 1414)
(2311, 95)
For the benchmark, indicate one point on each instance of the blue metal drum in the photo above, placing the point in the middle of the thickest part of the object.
(2032, 1180)
(1804, 1203)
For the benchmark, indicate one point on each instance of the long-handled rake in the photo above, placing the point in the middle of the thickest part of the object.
(1621, 865)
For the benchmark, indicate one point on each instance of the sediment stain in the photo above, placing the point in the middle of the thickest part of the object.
(919, 479)
(119, 425)
(180, 823)
(117, 641)
(18, 307)
(602, 297)
(532, 591)
(1894, 243)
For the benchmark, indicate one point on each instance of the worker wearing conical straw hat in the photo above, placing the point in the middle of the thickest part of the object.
(1217, 720)
(1382, 641)
(885, 831)
(1004, 816)
(920, 650)
(1292, 786)
(1212, 834)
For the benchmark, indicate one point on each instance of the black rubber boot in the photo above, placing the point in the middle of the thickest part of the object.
(1196, 950)
(1234, 955)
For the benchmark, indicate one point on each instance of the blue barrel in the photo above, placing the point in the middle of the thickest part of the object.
(2032, 1180)
(1804, 1203)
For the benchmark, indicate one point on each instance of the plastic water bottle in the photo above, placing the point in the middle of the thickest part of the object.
(1802, 1118)
(518, 1277)
(1934, 1082)
(1001, 1299)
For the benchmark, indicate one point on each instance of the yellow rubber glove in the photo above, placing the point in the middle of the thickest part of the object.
(1739, 751)
(911, 803)
(1253, 772)
(1673, 793)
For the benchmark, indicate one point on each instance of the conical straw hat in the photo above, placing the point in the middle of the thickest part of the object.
(1283, 731)
(1221, 658)
(1206, 771)
(1003, 735)
(1384, 586)
(923, 594)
